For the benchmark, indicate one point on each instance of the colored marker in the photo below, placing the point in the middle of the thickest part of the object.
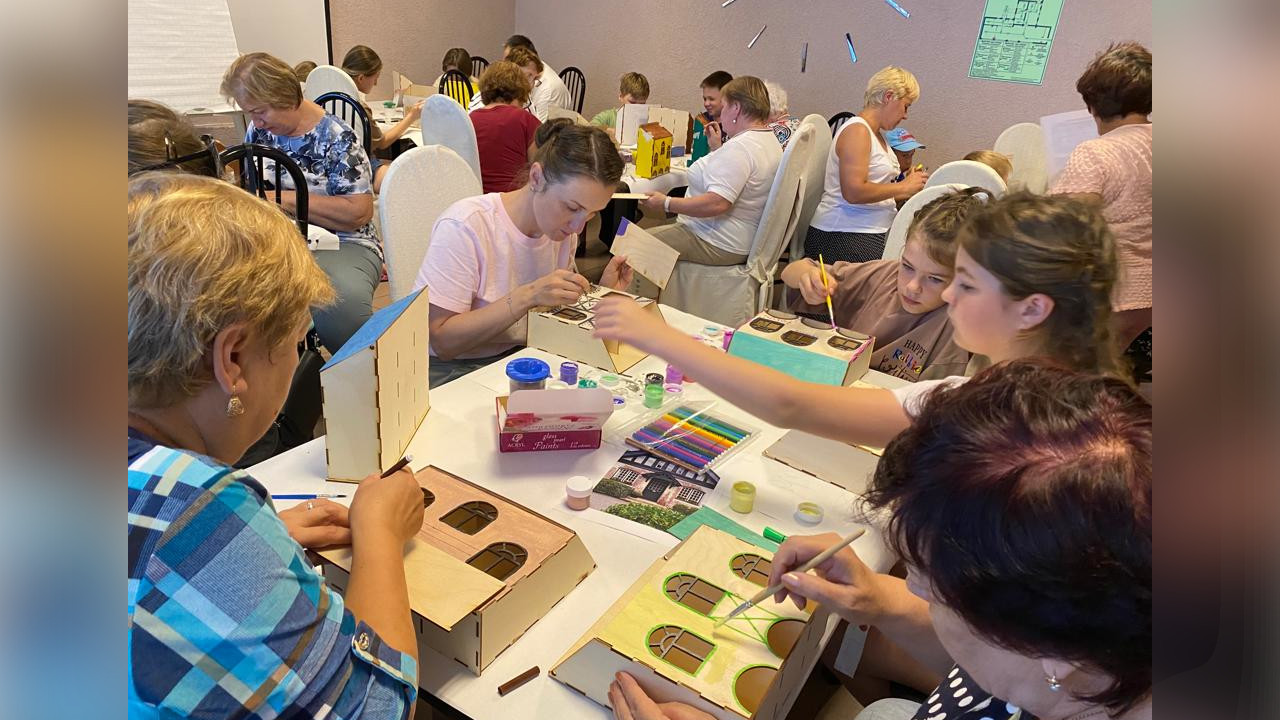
(316, 496)
(853, 56)
(901, 10)
(710, 434)
(669, 430)
(669, 424)
(709, 423)
(667, 444)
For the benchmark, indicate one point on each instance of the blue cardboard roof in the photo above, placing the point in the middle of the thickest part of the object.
(372, 329)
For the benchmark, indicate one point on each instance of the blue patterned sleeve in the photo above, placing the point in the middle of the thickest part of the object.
(231, 615)
(346, 165)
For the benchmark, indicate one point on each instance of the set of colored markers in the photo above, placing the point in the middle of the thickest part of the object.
(688, 437)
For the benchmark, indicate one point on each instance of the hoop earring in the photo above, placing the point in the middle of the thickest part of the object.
(1052, 681)
(235, 408)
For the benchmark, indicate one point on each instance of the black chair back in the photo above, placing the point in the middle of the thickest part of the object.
(350, 111)
(835, 121)
(478, 65)
(455, 84)
(577, 84)
(262, 169)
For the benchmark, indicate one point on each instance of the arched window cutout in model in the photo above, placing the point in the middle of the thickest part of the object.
(693, 592)
(752, 568)
(500, 559)
(783, 635)
(470, 518)
(680, 647)
(752, 684)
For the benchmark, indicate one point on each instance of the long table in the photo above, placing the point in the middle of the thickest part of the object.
(459, 435)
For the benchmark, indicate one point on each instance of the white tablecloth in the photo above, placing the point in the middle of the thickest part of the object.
(665, 183)
(459, 435)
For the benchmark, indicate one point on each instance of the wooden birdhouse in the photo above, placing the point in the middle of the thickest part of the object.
(375, 391)
(804, 348)
(481, 571)
(662, 631)
(566, 331)
(653, 150)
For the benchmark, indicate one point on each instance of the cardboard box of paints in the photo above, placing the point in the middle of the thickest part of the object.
(534, 420)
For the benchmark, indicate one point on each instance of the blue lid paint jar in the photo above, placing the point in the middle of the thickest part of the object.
(528, 374)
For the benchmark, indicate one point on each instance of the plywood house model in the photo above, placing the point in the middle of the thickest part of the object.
(481, 571)
(375, 391)
(661, 631)
(804, 348)
(566, 331)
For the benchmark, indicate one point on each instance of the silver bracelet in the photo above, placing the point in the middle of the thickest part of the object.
(666, 204)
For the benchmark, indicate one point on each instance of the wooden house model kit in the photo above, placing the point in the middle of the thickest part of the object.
(375, 391)
(804, 348)
(566, 331)
(662, 632)
(481, 571)
(653, 150)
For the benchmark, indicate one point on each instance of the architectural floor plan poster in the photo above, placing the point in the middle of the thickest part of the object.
(1014, 40)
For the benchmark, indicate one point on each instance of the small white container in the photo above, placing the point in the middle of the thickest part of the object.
(577, 490)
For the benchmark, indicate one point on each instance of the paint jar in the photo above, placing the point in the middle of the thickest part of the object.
(528, 374)
(577, 490)
(619, 402)
(674, 376)
(653, 379)
(742, 497)
(569, 373)
(653, 396)
(609, 381)
(558, 385)
(586, 383)
(728, 338)
(673, 389)
(809, 513)
(712, 331)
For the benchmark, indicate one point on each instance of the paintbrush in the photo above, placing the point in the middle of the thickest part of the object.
(815, 562)
(822, 268)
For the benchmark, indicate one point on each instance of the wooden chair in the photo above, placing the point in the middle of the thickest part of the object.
(261, 169)
(457, 86)
(346, 108)
(576, 82)
(478, 65)
(835, 121)
(419, 186)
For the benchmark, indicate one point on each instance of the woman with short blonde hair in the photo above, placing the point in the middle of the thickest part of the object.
(861, 192)
(219, 289)
(339, 180)
(718, 217)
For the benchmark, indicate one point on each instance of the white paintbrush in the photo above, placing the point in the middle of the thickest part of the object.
(815, 562)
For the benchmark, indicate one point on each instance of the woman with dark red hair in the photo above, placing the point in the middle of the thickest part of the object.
(1021, 504)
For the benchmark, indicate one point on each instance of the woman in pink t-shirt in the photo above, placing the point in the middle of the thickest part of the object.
(504, 129)
(1116, 167)
(494, 257)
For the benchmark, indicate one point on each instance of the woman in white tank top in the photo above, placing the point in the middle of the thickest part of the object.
(860, 197)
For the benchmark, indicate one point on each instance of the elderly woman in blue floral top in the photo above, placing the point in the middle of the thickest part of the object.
(339, 182)
(227, 618)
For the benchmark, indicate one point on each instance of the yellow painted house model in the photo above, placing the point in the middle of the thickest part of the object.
(662, 632)
(653, 150)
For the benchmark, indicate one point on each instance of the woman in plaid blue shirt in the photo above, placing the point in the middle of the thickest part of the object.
(227, 618)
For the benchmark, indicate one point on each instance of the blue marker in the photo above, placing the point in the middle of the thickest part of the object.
(901, 10)
(853, 56)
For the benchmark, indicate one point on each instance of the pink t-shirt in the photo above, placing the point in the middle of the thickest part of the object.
(478, 256)
(1117, 166)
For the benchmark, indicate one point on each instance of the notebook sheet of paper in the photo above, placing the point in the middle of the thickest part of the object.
(645, 253)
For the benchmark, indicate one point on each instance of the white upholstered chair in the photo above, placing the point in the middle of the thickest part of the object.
(733, 294)
(902, 221)
(420, 185)
(815, 174)
(1024, 144)
(969, 173)
(445, 122)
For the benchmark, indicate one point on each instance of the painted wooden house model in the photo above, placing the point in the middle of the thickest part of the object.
(566, 331)
(662, 632)
(804, 348)
(375, 391)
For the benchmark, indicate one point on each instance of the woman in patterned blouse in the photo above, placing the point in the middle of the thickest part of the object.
(339, 183)
(227, 617)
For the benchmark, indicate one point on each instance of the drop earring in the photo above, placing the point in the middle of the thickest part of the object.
(1052, 681)
(235, 408)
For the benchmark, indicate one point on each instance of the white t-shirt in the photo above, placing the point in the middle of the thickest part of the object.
(742, 172)
(836, 215)
(550, 91)
(912, 396)
(478, 256)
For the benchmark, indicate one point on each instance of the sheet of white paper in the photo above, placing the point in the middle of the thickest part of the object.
(645, 253)
(630, 118)
(1062, 133)
(629, 196)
